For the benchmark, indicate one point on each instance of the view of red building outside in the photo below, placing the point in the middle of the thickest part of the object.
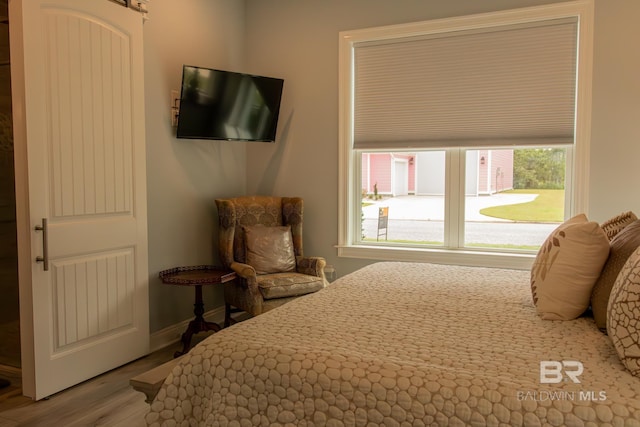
(396, 174)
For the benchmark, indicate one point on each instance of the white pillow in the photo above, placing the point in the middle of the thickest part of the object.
(566, 268)
(623, 314)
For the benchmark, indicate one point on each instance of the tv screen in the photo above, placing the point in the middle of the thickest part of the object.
(216, 104)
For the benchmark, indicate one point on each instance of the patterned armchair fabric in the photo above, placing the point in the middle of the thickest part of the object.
(257, 293)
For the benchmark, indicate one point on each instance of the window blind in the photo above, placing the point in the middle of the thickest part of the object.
(506, 85)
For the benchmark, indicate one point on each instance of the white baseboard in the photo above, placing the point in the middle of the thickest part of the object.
(171, 334)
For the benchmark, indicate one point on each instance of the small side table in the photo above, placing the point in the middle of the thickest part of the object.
(196, 276)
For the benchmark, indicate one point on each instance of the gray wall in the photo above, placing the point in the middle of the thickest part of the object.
(185, 176)
(615, 131)
(298, 40)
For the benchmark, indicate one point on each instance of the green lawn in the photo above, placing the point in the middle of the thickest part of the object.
(547, 207)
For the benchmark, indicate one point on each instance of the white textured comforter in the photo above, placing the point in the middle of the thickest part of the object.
(404, 344)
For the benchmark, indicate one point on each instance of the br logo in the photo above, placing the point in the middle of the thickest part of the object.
(554, 372)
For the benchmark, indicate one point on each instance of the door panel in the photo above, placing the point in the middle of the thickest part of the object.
(80, 126)
(92, 297)
(91, 146)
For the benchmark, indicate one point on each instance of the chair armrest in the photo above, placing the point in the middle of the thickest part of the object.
(245, 271)
(248, 278)
(313, 266)
(243, 292)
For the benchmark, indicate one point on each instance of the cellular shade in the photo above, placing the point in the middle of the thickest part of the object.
(500, 86)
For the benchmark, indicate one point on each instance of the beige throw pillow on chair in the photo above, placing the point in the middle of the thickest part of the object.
(269, 249)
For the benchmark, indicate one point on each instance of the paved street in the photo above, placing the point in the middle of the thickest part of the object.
(421, 218)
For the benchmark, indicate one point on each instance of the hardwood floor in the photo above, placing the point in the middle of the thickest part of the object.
(106, 400)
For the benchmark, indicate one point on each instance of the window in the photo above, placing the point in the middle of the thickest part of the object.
(456, 113)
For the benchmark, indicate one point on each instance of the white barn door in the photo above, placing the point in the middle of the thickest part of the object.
(78, 105)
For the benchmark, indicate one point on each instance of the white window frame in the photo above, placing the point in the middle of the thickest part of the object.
(349, 191)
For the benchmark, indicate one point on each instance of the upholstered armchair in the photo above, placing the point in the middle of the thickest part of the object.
(261, 240)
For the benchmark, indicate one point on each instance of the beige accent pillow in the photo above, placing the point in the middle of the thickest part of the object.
(616, 224)
(566, 268)
(622, 246)
(623, 314)
(269, 249)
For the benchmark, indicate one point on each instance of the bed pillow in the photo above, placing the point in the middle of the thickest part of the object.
(623, 314)
(616, 224)
(566, 268)
(269, 249)
(622, 246)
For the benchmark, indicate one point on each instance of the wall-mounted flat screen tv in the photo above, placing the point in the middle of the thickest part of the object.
(224, 105)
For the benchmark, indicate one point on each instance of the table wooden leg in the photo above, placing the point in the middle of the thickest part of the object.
(199, 324)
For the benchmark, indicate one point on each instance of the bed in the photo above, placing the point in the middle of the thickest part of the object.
(404, 344)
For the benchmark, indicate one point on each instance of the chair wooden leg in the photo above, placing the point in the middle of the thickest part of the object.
(228, 311)
(227, 315)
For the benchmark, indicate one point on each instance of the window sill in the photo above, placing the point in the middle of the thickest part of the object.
(472, 258)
